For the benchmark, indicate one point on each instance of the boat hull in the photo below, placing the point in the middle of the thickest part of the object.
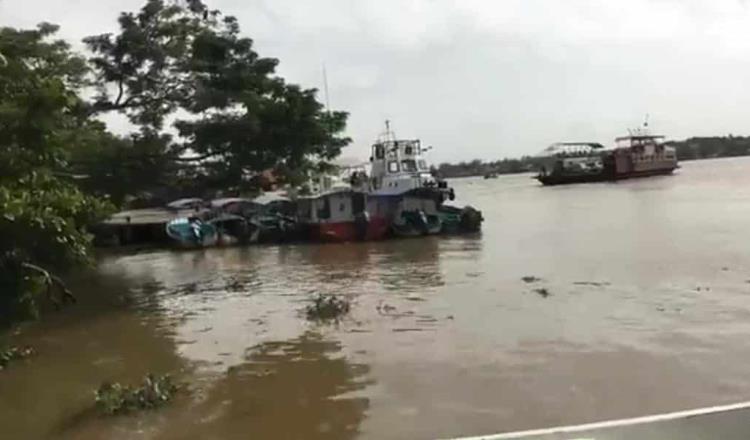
(375, 228)
(550, 180)
(185, 235)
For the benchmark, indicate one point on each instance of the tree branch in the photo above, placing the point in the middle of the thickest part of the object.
(51, 281)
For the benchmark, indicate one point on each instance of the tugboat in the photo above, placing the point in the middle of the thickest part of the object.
(403, 188)
(639, 154)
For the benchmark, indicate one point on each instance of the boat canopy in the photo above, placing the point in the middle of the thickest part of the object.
(186, 203)
(271, 197)
(571, 149)
(639, 140)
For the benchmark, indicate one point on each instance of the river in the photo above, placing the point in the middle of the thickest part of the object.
(576, 304)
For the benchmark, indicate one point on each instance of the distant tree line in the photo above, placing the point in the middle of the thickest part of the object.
(689, 149)
(711, 147)
(477, 167)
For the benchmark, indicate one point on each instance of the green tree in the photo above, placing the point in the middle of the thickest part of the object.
(43, 216)
(243, 118)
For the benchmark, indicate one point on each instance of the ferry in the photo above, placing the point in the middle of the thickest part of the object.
(639, 154)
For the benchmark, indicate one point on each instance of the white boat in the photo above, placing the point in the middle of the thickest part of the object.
(401, 186)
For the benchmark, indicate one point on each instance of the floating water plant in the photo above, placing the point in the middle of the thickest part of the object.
(114, 398)
(327, 307)
(11, 354)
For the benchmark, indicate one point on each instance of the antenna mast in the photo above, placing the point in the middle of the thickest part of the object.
(325, 88)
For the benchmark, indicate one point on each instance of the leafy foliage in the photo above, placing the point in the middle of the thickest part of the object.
(243, 119)
(327, 308)
(60, 167)
(43, 217)
(114, 398)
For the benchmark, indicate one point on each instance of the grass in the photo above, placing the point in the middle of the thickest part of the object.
(114, 398)
(11, 354)
(327, 308)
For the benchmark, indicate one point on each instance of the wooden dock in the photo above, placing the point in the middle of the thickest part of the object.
(138, 226)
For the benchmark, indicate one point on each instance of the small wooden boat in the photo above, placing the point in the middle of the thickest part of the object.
(191, 232)
(416, 223)
(234, 229)
(416, 215)
(457, 220)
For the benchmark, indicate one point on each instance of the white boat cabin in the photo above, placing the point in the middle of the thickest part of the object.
(644, 153)
(398, 166)
(572, 157)
(331, 207)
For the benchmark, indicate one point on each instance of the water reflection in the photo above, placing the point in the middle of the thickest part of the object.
(100, 339)
(300, 388)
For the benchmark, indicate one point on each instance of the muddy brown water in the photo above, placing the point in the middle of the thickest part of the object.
(648, 310)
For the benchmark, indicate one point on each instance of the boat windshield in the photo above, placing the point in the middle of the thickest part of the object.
(637, 141)
(408, 165)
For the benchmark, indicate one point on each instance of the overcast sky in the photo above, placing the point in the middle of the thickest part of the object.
(489, 79)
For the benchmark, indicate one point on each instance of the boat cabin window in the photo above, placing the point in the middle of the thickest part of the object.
(379, 151)
(408, 150)
(393, 166)
(358, 203)
(409, 165)
(324, 211)
(303, 209)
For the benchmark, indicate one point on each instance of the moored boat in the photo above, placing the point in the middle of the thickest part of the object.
(233, 229)
(416, 216)
(457, 220)
(191, 232)
(408, 195)
(338, 215)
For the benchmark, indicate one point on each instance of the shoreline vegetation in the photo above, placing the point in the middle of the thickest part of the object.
(207, 114)
(694, 148)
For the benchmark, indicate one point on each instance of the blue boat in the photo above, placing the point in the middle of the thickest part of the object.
(191, 232)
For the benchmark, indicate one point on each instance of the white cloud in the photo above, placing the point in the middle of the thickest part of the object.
(490, 78)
